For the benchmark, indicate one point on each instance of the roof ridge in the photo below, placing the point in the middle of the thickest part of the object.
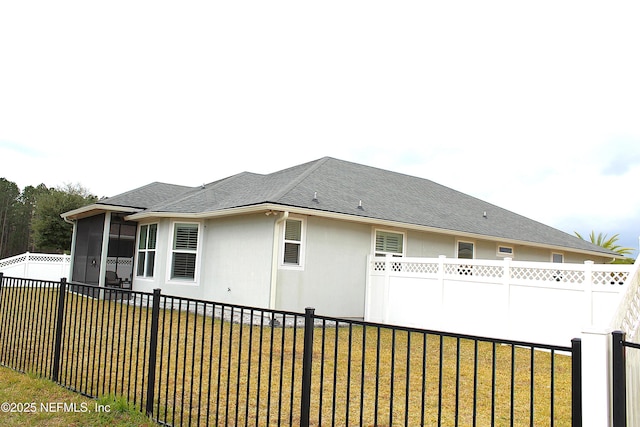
(294, 183)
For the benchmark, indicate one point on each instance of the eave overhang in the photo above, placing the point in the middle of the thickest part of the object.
(276, 208)
(96, 209)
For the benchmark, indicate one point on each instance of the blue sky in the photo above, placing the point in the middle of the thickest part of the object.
(533, 107)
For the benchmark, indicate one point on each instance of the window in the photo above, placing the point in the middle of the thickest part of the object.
(389, 243)
(147, 250)
(465, 250)
(293, 238)
(557, 257)
(505, 251)
(184, 251)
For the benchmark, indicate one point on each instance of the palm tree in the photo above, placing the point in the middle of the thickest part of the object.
(606, 242)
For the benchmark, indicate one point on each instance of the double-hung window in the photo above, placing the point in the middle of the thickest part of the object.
(147, 239)
(184, 251)
(389, 243)
(293, 252)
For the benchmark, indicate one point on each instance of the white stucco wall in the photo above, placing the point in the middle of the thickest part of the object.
(236, 267)
(432, 245)
(334, 275)
(234, 260)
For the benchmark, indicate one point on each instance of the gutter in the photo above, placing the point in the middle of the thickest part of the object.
(274, 259)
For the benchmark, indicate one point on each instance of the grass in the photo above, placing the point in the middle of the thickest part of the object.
(41, 402)
(229, 373)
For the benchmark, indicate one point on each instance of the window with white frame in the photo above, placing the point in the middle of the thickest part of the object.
(293, 250)
(184, 251)
(557, 257)
(147, 239)
(505, 251)
(465, 250)
(389, 243)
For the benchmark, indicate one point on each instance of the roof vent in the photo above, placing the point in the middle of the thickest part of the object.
(484, 214)
(315, 196)
(360, 205)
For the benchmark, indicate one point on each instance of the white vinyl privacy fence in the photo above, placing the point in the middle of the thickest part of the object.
(537, 302)
(627, 320)
(37, 266)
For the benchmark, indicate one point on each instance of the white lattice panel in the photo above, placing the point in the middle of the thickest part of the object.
(488, 271)
(547, 275)
(628, 315)
(609, 277)
(459, 269)
(47, 258)
(631, 319)
(12, 261)
(420, 268)
(378, 265)
(120, 261)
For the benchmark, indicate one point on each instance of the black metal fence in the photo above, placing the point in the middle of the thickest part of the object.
(192, 362)
(619, 372)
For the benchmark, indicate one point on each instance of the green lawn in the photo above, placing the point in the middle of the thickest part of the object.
(228, 373)
(39, 402)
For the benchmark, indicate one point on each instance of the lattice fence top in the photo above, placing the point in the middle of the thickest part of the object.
(628, 316)
(48, 258)
(570, 274)
(13, 260)
(119, 261)
(548, 275)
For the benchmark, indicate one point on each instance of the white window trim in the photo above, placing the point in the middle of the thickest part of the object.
(504, 254)
(303, 244)
(557, 253)
(387, 230)
(458, 241)
(135, 267)
(198, 252)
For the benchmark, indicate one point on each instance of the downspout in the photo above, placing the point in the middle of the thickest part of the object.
(274, 260)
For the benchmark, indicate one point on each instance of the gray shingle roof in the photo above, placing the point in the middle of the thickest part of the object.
(340, 186)
(149, 195)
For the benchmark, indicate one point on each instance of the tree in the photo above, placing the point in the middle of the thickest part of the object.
(51, 233)
(606, 242)
(28, 202)
(9, 193)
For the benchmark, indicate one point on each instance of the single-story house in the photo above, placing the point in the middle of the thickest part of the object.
(297, 237)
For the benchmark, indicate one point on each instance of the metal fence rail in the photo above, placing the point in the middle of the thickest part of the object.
(192, 362)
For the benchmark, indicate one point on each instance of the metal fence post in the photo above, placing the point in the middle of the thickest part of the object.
(307, 360)
(153, 349)
(576, 382)
(619, 387)
(57, 349)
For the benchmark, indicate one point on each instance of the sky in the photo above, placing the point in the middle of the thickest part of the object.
(532, 106)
